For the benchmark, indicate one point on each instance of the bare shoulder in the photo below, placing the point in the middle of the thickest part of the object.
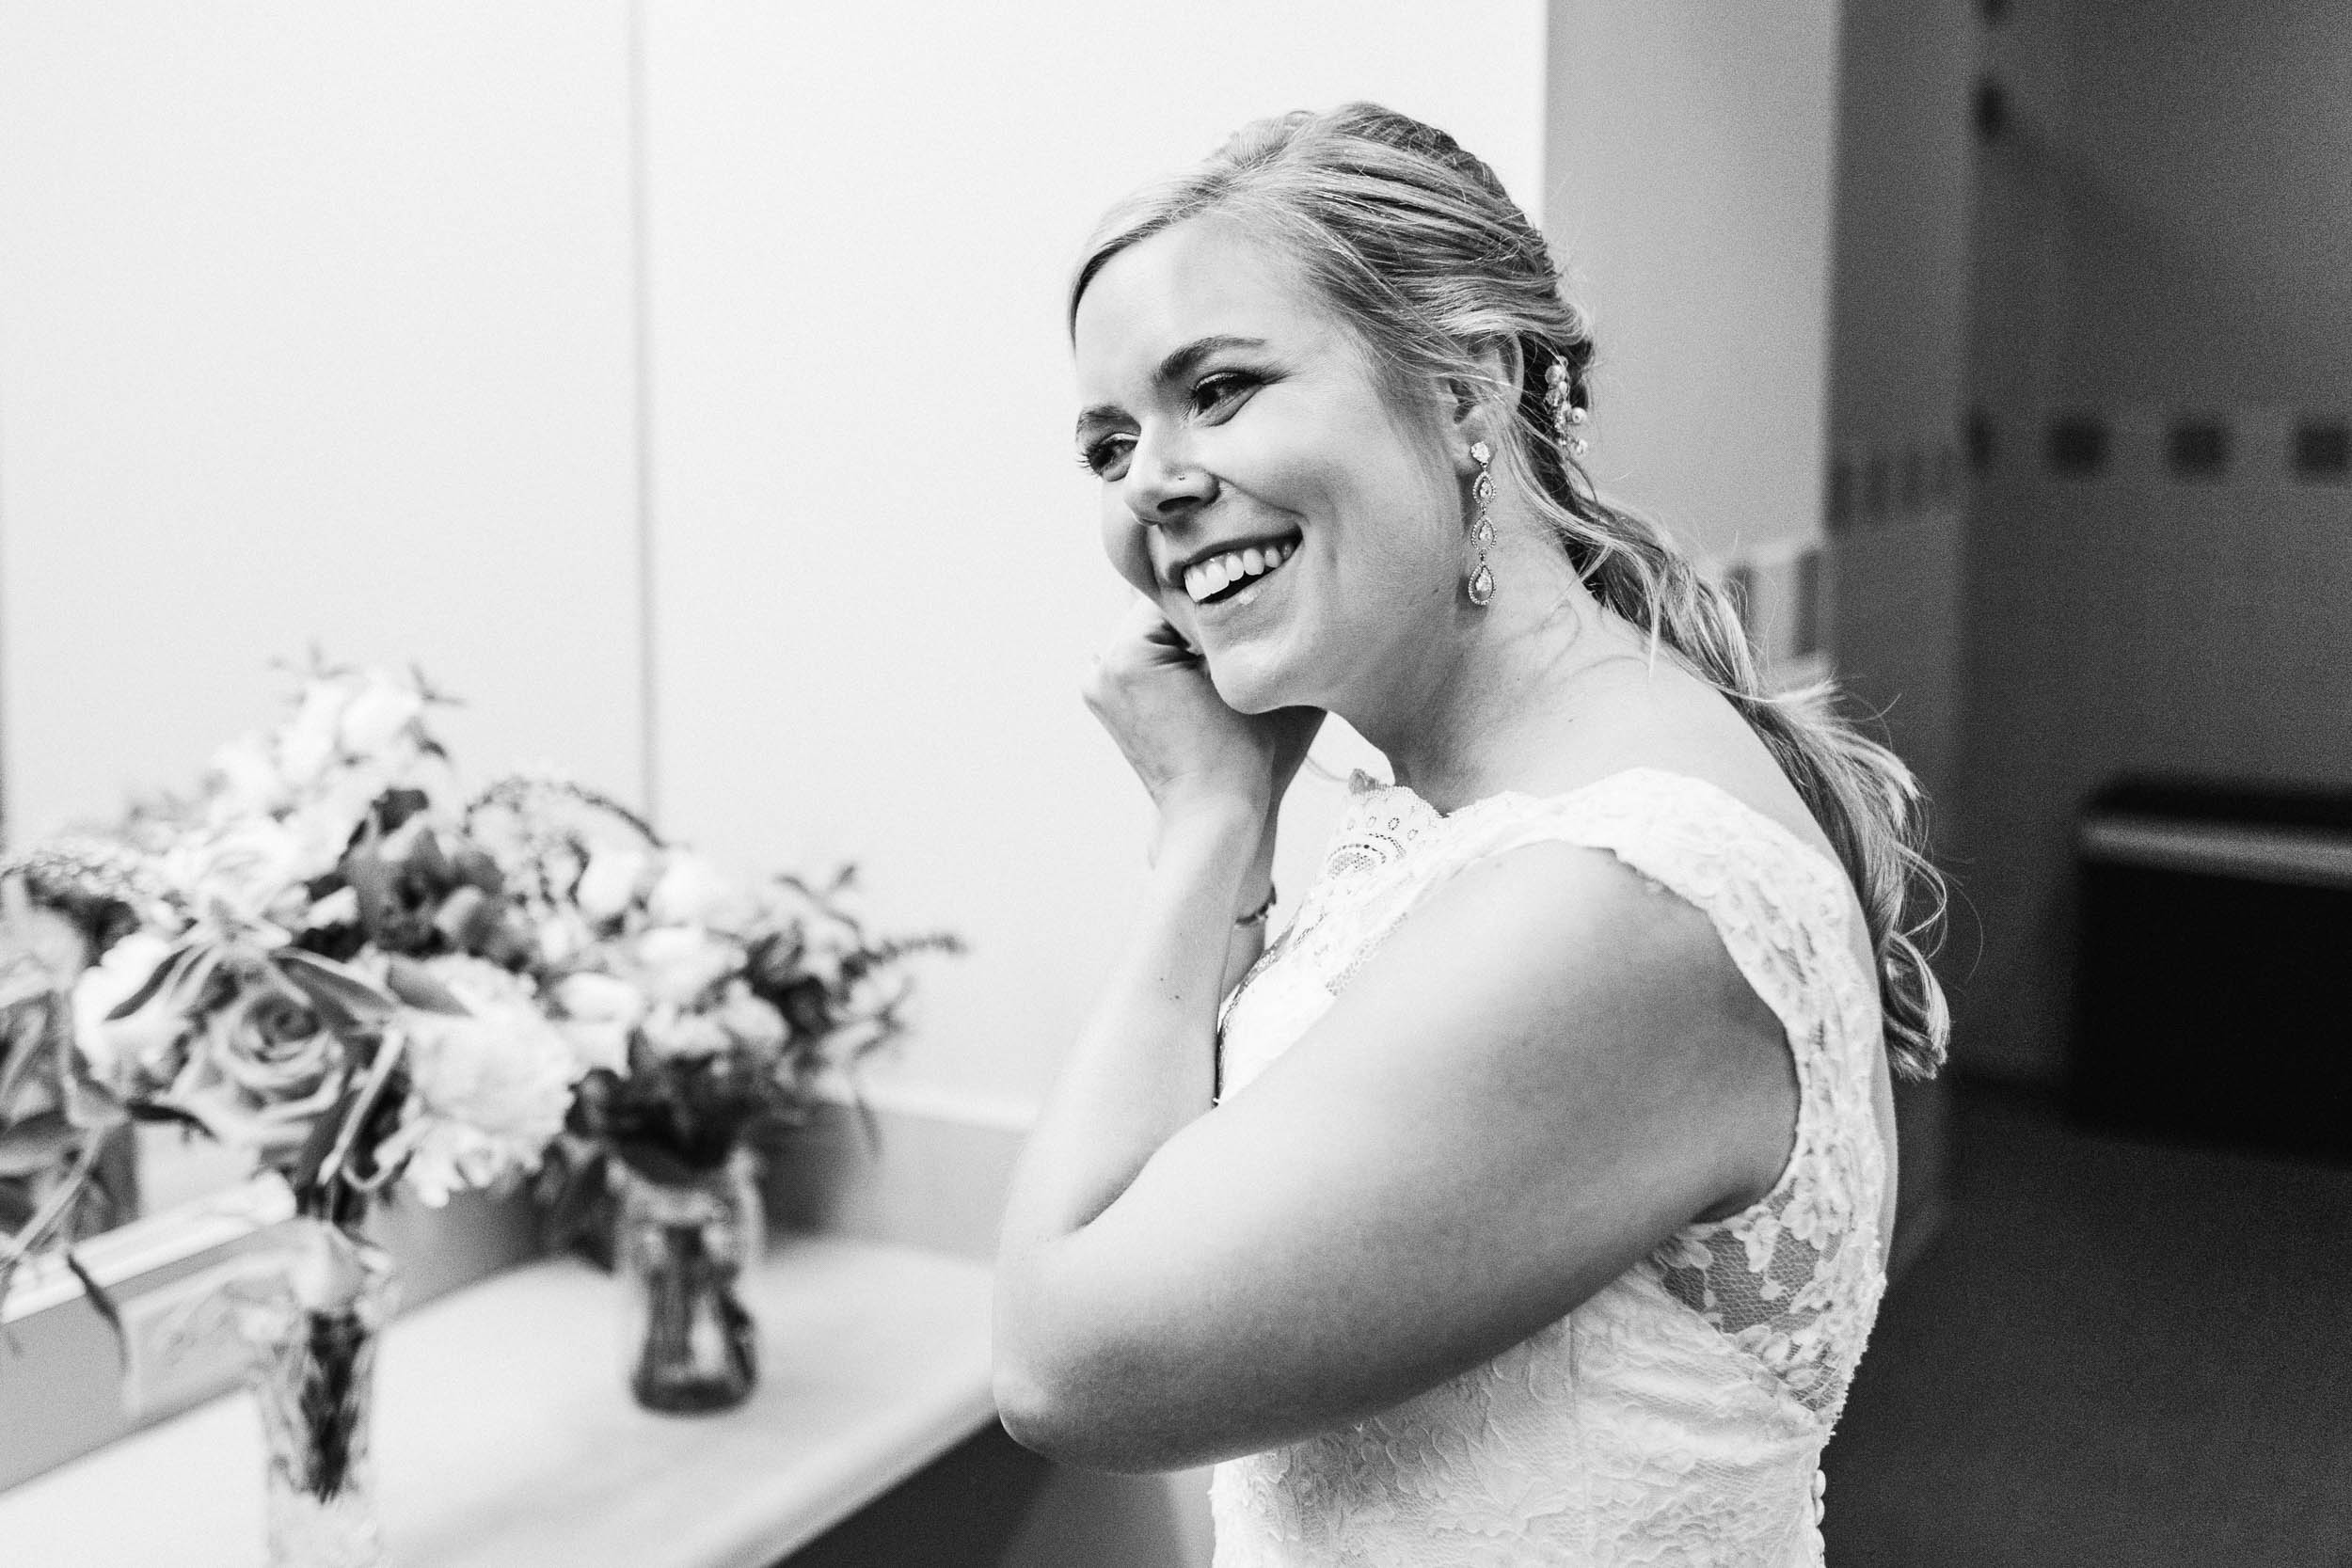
(1590, 997)
(1657, 714)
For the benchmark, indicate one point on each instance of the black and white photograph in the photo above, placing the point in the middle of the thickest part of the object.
(1247, 783)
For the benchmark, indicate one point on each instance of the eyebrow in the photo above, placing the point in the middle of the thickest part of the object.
(1174, 368)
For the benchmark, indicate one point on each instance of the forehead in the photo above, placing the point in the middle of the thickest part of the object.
(1201, 278)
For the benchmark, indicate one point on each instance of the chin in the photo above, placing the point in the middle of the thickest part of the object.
(1251, 680)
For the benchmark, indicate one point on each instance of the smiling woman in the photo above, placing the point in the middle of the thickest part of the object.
(1527, 1200)
(1265, 425)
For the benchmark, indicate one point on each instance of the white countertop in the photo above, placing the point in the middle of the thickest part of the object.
(506, 1435)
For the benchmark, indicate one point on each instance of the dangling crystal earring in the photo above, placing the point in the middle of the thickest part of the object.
(1482, 582)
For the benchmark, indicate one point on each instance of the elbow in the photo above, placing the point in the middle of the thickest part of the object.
(1026, 1410)
(1041, 1416)
(1071, 1388)
(1060, 1420)
(1036, 1375)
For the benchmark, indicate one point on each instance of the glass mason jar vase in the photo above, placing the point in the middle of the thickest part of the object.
(313, 1376)
(681, 1248)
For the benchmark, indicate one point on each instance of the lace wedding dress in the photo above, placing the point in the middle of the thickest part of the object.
(1678, 1415)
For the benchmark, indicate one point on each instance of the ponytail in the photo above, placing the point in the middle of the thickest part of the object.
(1865, 798)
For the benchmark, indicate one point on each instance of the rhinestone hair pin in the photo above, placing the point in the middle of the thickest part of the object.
(1565, 412)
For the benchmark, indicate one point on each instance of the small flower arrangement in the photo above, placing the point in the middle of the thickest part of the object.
(705, 1006)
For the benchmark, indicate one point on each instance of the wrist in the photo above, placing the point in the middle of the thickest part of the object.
(1208, 854)
(1230, 823)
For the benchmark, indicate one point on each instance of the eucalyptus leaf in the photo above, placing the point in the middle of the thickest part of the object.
(25, 1034)
(152, 985)
(88, 1103)
(164, 1111)
(305, 1171)
(37, 1144)
(420, 989)
(337, 989)
(103, 1302)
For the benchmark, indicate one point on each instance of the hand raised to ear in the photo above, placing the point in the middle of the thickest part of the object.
(1152, 691)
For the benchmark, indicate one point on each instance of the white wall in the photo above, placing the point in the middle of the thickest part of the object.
(314, 325)
(1898, 360)
(2162, 233)
(879, 585)
(1690, 165)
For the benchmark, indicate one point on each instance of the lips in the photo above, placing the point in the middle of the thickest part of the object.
(1215, 576)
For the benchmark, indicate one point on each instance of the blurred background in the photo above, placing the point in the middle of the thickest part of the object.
(683, 386)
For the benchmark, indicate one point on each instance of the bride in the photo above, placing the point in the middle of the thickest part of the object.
(1528, 1199)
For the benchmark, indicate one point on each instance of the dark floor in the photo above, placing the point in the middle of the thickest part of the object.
(2112, 1353)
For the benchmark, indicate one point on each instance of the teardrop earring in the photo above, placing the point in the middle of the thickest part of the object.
(1482, 582)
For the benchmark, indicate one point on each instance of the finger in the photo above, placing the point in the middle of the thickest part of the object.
(1142, 619)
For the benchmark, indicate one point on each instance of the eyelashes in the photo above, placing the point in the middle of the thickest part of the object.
(1211, 392)
(1100, 457)
(1214, 397)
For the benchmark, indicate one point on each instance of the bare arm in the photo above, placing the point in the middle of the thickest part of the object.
(1145, 1062)
(1546, 1072)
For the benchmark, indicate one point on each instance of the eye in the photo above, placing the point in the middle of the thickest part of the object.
(1214, 393)
(1106, 457)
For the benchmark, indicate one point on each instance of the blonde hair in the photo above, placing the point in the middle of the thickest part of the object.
(1415, 244)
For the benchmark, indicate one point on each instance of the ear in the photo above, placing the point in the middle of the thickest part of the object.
(1478, 406)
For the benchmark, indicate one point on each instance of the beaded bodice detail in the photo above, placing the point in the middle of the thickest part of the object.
(1678, 1415)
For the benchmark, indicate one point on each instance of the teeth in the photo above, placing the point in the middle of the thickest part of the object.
(1208, 577)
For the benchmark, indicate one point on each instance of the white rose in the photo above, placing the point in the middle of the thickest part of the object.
(482, 986)
(609, 884)
(245, 774)
(260, 1071)
(119, 1049)
(379, 714)
(752, 1020)
(595, 1043)
(693, 891)
(600, 1010)
(307, 745)
(673, 1032)
(254, 869)
(680, 962)
(338, 908)
(601, 998)
(563, 936)
(487, 1093)
(322, 830)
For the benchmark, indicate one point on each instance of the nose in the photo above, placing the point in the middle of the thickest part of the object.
(1164, 487)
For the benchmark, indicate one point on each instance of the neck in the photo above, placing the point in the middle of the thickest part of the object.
(1496, 713)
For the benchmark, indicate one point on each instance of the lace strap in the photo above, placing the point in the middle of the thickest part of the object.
(1780, 908)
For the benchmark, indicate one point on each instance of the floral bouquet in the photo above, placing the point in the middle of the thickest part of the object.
(309, 961)
(708, 1008)
(334, 978)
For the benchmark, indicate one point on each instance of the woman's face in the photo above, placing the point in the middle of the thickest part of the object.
(1258, 485)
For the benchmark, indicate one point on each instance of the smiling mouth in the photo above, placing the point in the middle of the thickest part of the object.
(1229, 574)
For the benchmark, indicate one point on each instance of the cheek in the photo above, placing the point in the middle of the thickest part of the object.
(1125, 541)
